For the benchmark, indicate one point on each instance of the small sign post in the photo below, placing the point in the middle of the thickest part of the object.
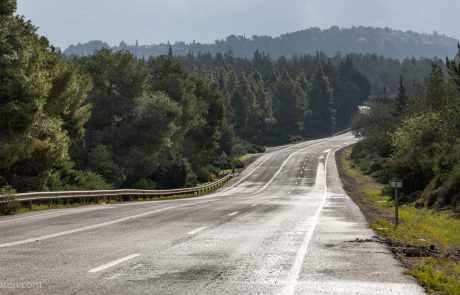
(395, 183)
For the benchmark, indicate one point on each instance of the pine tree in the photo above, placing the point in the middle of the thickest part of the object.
(453, 67)
(321, 103)
(401, 99)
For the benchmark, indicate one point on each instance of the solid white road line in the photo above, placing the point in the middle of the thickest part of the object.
(233, 213)
(90, 227)
(196, 230)
(293, 275)
(113, 263)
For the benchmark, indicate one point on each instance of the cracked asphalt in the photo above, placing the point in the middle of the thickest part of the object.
(284, 226)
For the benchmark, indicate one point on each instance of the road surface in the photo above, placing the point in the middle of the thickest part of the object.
(284, 226)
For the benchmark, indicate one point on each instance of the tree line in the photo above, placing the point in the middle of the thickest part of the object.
(112, 119)
(361, 40)
(279, 100)
(416, 137)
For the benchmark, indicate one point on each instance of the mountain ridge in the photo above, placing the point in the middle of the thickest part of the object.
(365, 40)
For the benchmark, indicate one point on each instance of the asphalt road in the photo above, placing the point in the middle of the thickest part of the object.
(284, 226)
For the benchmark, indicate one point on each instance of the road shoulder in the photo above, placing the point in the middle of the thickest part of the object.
(410, 242)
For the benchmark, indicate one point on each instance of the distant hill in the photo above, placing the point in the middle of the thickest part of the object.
(381, 41)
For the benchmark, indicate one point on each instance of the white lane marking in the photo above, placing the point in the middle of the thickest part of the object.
(113, 263)
(196, 230)
(308, 144)
(275, 175)
(69, 211)
(90, 227)
(301, 171)
(327, 151)
(293, 276)
(233, 213)
(253, 205)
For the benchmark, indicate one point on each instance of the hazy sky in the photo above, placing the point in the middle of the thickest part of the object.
(153, 21)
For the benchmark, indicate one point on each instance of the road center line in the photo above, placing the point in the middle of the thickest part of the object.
(113, 263)
(293, 275)
(196, 230)
(233, 213)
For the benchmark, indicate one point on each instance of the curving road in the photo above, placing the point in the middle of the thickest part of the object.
(284, 226)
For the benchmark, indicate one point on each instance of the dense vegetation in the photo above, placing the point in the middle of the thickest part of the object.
(113, 119)
(416, 138)
(275, 101)
(363, 40)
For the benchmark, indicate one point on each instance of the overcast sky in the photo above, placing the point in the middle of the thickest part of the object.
(67, 22)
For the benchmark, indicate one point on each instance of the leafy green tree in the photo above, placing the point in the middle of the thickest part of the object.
(42, 104)
(7, 7)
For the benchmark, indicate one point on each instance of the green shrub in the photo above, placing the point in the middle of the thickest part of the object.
(145, 184)
(67, 178)
(9, 205)
(238, 163)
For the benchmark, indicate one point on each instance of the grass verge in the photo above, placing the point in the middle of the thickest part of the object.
(418, 227)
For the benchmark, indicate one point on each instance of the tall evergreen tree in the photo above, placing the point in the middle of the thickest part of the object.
(321, 103)
(401, 99)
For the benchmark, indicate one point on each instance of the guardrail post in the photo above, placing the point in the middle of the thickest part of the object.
(50, 203)
(30, 205)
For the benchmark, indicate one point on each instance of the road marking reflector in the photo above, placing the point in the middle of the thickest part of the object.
(113, 263)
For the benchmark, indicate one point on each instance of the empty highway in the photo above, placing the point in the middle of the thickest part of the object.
(284, 226)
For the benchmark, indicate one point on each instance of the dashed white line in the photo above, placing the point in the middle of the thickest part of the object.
(253, 205)
(113, 263)
(293, 276)
(196, 230)
(233, 213)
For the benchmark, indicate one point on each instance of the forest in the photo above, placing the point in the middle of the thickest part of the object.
(416, 138)
(112, 119)
(360, 40)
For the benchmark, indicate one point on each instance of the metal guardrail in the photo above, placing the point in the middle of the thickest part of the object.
(342, 132)
(120, 193)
